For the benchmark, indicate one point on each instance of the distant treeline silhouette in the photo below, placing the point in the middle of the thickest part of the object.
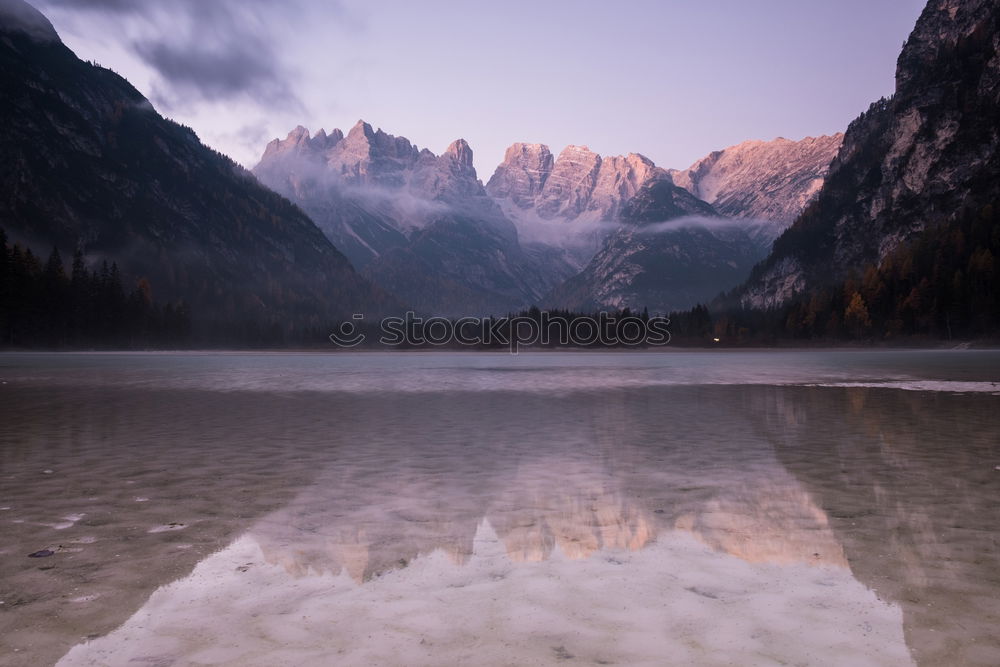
(42, 306)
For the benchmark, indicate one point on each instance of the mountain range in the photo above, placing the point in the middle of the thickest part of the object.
(334, 223)
(418, 224)
(579, 184)
(556, 231)
(598, 215)
(373, 222)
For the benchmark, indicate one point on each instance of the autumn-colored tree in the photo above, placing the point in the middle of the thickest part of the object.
(856, 317)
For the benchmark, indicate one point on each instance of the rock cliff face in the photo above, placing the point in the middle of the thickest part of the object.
(369, 159)
(522, 174)
(599, 218)
(88, 163)
(919, 159)
(768, 181)
(418, 224)
(579, 183)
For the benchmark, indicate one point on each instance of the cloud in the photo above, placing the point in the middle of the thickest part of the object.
(215, 74)
(582, 233)
(212, 51)
(113, 5)
(759, 230)
(688, 222)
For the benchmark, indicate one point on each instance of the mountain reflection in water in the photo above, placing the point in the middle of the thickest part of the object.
(705, 521)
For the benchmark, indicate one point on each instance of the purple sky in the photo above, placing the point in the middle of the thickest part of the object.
(672, 79)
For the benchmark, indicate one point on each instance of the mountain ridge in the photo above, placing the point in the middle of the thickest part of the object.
(91, 165)
(577, 183)
(763, 180)
(911, 162)
(419, 224)
(597, 204)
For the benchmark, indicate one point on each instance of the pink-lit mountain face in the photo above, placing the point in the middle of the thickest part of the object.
(762, 180)
(423, 225)
(590, 207)
(419, 224)
(577, 184)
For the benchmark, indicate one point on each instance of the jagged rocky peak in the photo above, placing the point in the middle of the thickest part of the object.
(577, 183)
(618, 180)
(765, 180)
(369, 157)
(298, 136)
(567, 189)
(460, 151)
(324, 141)
(449, 177)
(372, 157)
(298, 142)
(522, 174)
(363, 140)
(361, 128)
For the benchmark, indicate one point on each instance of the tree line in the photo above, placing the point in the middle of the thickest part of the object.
(944, 284)
(41, 305)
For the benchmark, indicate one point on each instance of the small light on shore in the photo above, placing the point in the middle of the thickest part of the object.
(716, 340)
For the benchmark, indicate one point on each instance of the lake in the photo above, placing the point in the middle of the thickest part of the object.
(408, 508)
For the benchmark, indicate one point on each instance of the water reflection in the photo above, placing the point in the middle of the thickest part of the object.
(677, 533)
(538, 504)
(700, 522)
(910, 483)
(531, 511)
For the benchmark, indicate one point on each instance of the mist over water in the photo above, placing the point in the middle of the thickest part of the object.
(442, 508)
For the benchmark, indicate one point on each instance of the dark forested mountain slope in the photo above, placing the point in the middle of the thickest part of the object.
(926, 157)
(89, 164)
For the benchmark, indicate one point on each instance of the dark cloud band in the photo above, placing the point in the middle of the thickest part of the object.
(218, 50)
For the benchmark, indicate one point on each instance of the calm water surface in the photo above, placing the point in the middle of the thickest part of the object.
(807, 508)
